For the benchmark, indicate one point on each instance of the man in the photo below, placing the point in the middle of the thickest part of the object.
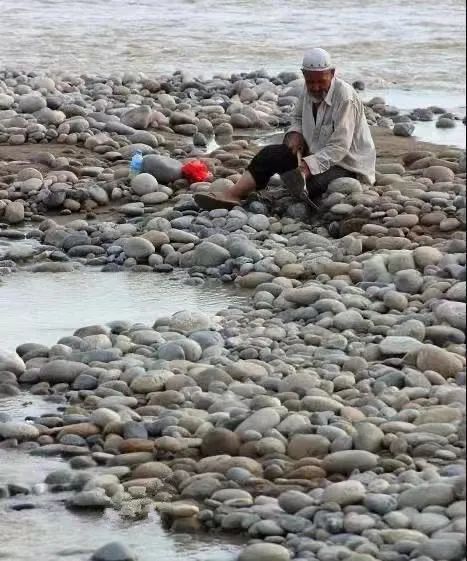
(329, 138)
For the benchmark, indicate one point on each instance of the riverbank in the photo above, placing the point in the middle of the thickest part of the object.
(321, 415)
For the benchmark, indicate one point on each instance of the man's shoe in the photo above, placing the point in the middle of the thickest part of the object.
(212, 201)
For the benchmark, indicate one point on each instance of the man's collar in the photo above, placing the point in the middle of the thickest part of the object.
(328, 98)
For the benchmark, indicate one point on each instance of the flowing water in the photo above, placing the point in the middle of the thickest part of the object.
(49, 532)
(417, 45)
(43, 307)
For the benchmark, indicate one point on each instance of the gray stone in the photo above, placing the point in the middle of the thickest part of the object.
(395, 345)
(264, 552)
(208, 254)
(379, 503)
(348, 460)
(409, 281)
(431, 357)
(403, 129)
(443, 549)
(368, 437)
(143, 184)
(293, 501)
(189, 321)
(138, 247)
(61, 371)
(429, 522)
(261, 421)
(422, 496)
(30, 103)
(453, 313)
(20, 431)
(14, 212)
(165, 170)
(93, 499)
(307, 446)
(114, 551)
(137, 118)
(11, 362)
(344, 493)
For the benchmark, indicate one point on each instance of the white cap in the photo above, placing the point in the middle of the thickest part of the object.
(317, 60)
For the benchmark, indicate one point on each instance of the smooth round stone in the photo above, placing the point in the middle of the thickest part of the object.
(346, 461)
(453, 313)
(264, 552)
(395, 345)
(143, 184)
(409, 281)
(444, 362)
(344, 493)
(165, 170)
(138, 247)
(114, 551)
(379, 503)
(404, 129)
(442, 549)
(11, 362)
(439, 174)
(293, 501)
(422, 496)
(155, 198)
(208, 254)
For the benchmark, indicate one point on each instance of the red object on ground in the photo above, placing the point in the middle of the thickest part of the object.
(195, 171)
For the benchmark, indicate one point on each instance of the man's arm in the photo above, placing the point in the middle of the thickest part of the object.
(294, 137)
(339, 143)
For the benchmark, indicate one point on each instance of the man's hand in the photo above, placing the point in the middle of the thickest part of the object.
(295, 141)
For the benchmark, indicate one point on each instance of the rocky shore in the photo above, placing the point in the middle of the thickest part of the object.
(324, 419)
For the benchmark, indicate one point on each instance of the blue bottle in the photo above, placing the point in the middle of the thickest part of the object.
(136, 164)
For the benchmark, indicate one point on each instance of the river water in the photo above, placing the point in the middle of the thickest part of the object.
(49, 532)
(417, 45)
(42, 307)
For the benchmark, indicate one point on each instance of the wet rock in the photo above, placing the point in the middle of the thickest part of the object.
(114, 551)
(19, 431)
(14, 212)
(264, 552)
(208, 254)
(138, 247)
(93, 499)
(404, 129)
(11, 362)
